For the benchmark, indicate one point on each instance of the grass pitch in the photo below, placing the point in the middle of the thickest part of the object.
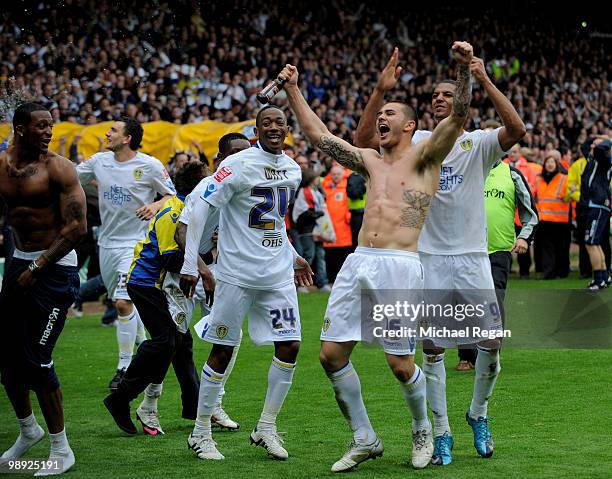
(550, 413)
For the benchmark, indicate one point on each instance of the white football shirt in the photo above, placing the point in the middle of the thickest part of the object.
(212, 221)
(457, 222)
(124, 187)
(253, 189)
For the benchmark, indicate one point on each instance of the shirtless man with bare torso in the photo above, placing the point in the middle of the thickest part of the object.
(400, 184)
(46, 209)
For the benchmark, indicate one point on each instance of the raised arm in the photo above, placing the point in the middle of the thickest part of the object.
(366, 135)
(448, 130)
(514, 128)
(341, 151)
(72, 207)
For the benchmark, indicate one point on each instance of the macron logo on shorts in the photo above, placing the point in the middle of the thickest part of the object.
(49, 327)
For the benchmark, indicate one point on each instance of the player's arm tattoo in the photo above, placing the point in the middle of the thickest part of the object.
(71, 233)
(416, 205)
(461, 103)
(353, 160)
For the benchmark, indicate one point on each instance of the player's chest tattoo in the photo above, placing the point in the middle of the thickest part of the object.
(26, 172)
(415, 206)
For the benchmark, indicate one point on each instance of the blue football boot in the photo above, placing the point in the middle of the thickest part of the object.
(483, 442)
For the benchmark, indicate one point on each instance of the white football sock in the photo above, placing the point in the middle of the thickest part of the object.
(435, 372)
(126, 336)
(487, 369)
(414, 391)
(228, 371)
(347, 387)
(151, 395)
(60, 453)
(141, 334)
(30, 433)
(207, 398)
(280, 377)
(59, 443)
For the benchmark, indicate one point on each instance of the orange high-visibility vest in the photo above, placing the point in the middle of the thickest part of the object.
(549, 199)
(337, 205)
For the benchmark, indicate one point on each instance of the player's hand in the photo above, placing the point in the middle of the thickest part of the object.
(521, 246)
(290, 74)
(208, 280)
(146, 212)
(188, 285)
(462, 52)
(391, 73)
(26, 279)
(302, 272)
(478, 70)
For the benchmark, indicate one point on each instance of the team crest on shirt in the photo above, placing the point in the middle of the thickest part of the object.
(138, 173)
(181, 317)
(222, 331)
(466, 145)
(223, 172)
(326, 324)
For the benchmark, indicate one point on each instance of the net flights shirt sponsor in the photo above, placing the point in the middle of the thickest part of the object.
(124, 187)
(457, 222)
(253, 189)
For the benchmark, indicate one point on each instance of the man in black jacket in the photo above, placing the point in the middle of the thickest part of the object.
(595, 202)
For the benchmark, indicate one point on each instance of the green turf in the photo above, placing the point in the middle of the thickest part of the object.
(551, 413)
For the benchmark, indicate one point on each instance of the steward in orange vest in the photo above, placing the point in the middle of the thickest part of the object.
(334, 187)
(552, 240)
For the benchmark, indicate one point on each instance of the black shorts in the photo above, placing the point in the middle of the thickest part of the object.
(595, 221)
(31, 322)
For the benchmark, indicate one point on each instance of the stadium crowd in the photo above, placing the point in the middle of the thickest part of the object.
(156, 61)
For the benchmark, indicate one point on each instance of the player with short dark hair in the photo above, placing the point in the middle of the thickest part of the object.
(46, 209)
(128, 182)
(453, 243)
(401, 181)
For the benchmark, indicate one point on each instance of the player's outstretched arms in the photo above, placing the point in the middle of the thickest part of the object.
(344, 153)
(448, 130)
(514, 128)
(366, 135)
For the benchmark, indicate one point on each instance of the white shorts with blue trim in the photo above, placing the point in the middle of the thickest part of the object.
(274, 315)
(368, 274)
(114, 267)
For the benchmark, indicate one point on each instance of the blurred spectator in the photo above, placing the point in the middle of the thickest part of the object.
(308, 207)
(552, 240)
(518, 161)
(356, 193)
(334, 187)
